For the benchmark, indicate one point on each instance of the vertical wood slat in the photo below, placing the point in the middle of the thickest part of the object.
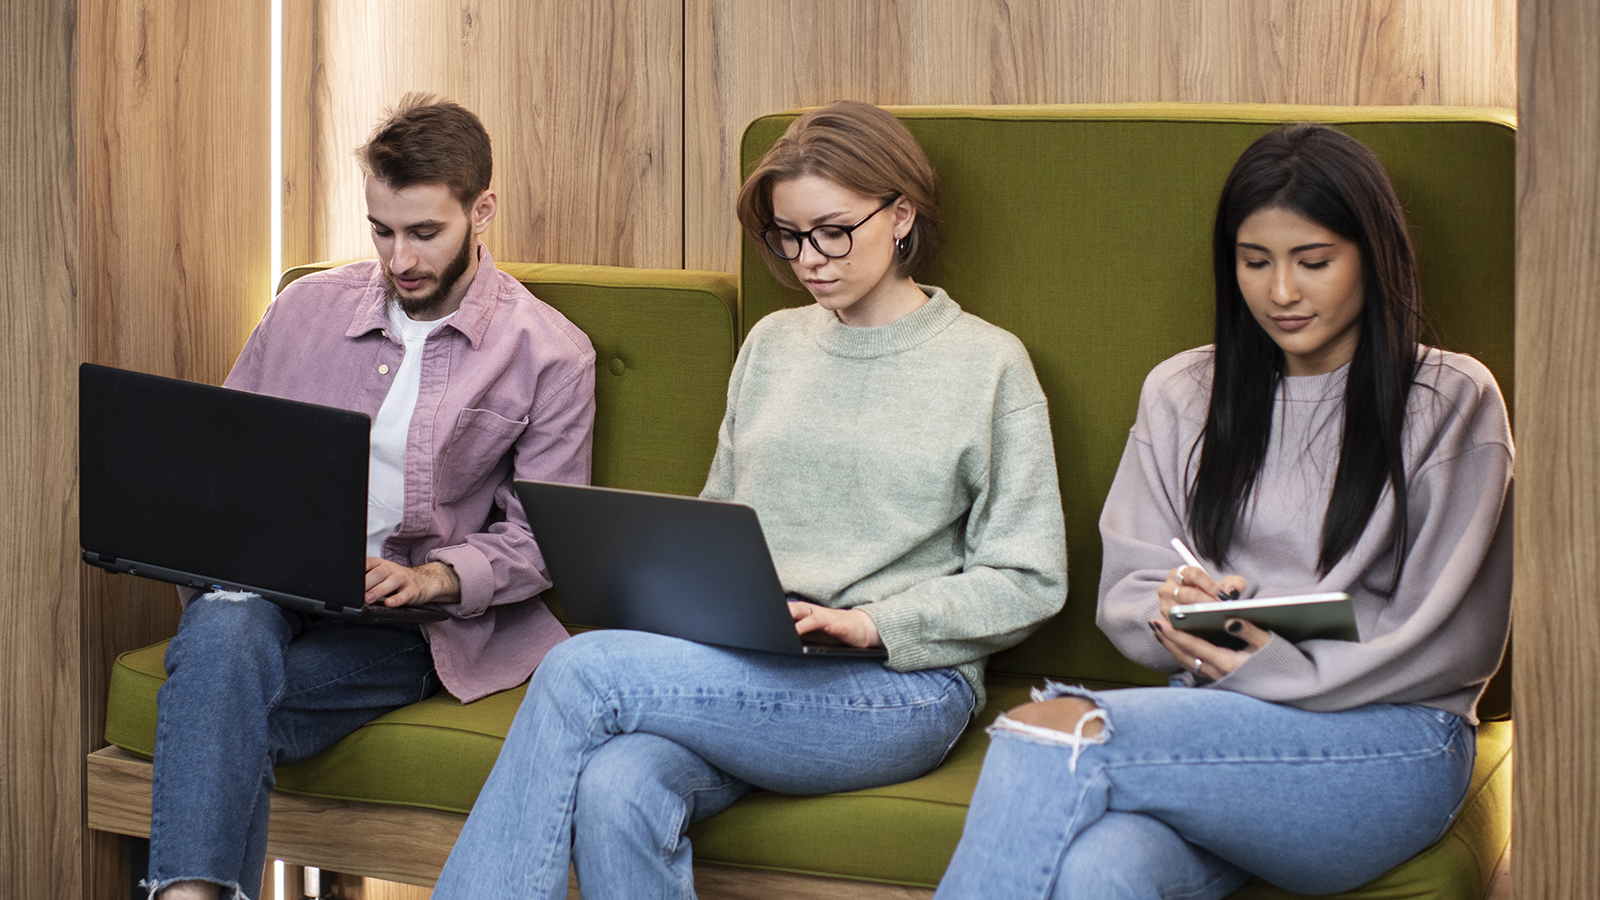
(744, 60)
(1556, 679)
(299, 189)
(174, 190)
(175, 183)
(40, 726)
(582, 101)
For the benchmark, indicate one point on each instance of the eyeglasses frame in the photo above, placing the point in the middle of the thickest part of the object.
(801, 237)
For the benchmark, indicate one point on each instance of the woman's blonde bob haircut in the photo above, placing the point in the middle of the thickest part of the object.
(860, 147)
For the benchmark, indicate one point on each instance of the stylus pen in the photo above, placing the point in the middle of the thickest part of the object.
(1189, 559)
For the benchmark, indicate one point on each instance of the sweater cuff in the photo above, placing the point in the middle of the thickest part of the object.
(1279, 662)
(900, 627)
(477, 577)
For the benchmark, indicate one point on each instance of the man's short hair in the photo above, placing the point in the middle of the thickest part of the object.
(424, 140)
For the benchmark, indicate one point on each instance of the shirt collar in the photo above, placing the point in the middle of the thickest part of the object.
(472, 319)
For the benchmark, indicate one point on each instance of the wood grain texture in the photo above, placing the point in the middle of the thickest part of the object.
(174, 189)
(582, 102)
(1556, 687)
(174, 247)
(743, 60)
(175, 183)
(40, 728)
(298, 191)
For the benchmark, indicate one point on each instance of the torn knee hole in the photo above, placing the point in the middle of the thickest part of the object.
(1065, 714)
(1070, 721)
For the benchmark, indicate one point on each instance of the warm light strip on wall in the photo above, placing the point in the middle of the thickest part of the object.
(277, 144)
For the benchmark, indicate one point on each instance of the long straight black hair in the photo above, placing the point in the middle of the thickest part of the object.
(1331, 179)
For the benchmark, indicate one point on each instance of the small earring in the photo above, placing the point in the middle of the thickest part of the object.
(902, 244)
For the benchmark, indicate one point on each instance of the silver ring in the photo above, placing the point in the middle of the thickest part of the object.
(1196, 669)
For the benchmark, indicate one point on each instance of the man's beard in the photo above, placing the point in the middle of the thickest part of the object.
(427, 304)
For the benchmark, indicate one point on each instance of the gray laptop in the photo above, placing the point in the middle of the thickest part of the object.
(680, 566)
(207, 487)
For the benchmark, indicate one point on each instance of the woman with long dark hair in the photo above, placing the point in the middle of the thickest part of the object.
(1316, 446)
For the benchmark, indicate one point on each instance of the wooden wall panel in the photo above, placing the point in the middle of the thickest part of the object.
(40, 769)
(582, 101)
(298, 192)
(174, 190)
(743, 60)
(1556, 681)
(175, 183)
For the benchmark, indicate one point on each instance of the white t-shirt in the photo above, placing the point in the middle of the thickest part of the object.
(386, 480)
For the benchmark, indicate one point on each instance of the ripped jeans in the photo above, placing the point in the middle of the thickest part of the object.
(251, 686)
(1186, 793)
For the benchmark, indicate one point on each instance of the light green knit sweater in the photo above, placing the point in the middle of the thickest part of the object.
(906, 469)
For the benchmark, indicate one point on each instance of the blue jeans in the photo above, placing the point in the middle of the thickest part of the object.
(625, 738)
(1188, 792)
(251, 686)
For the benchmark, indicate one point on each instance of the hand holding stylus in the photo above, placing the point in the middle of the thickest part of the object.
(1193, 562)
(1191, 583)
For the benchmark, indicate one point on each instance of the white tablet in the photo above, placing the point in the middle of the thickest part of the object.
(1295, 619)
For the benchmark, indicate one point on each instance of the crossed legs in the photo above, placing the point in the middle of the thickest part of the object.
(1180, 792)
(625, 738)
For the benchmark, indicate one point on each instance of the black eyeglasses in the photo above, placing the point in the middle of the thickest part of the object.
(832, 241)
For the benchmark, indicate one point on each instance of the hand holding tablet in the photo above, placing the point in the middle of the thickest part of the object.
(1305, 617)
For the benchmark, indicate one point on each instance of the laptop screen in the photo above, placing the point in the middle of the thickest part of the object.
(223, 485)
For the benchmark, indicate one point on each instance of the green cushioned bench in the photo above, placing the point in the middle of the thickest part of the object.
(1085, 231)
(456, 744)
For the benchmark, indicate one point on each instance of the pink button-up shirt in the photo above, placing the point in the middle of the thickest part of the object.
(507, 392)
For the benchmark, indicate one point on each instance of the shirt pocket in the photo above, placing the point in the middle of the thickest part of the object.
(477, 445)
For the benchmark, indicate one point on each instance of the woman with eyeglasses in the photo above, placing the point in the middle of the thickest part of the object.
(1315, 446)
(898, 453)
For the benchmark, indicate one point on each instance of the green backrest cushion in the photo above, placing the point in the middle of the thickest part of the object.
(1085, 231)
(664, 344)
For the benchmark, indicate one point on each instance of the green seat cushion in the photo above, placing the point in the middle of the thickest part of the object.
(899, 834)
(131, 699)
(455, 744)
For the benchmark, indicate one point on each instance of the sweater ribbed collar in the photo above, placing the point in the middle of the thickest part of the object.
(839, 339)
(1316, 388)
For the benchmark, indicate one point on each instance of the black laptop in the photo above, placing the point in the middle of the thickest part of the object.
(680, 566)
(209, 487)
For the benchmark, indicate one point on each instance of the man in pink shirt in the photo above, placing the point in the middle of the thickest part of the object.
(470, 382)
